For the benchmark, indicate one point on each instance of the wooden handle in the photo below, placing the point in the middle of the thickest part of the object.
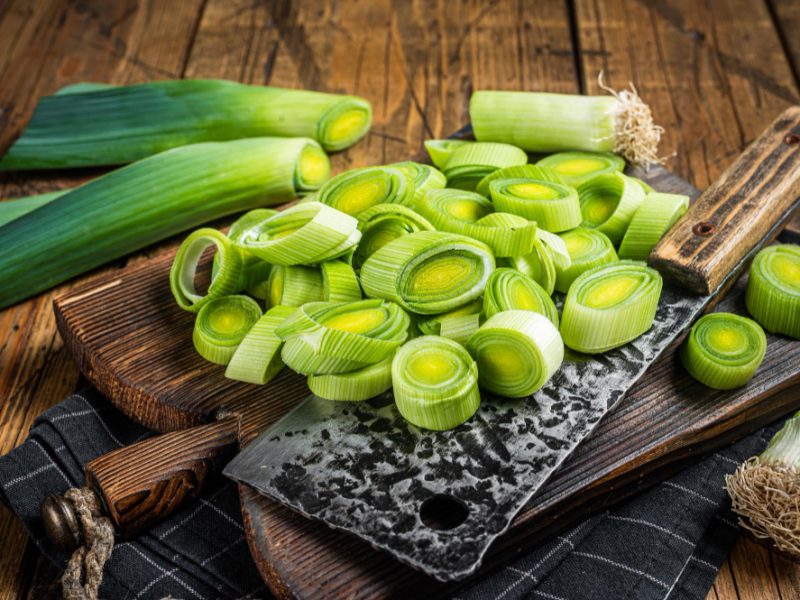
(737, 213)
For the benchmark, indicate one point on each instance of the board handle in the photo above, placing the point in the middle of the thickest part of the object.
(141, 484)
(733, 216)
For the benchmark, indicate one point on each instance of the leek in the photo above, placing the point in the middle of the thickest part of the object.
(460, 328)
(518, 172)
(588, 248)
(123, 124)
(655, 217)
(221, 325)
(610, 305)
(383, 223)
(723, 350)
(537, 264)
(773, 290)
(14, 208)
(517, 351)
(435, 383)
(428, 272)
(765, 490)
(469, 163)
(294, 285)
(539, 122)
(354, 386)
(508, 289)
(339, 282)
(424, 177)
(306, 233)
(355, 191)
(440, 151)
(470, 214)
(554, 207)
(257, 358)
(184, 269)
(576, 168)
(608, 203)
(432, 325)
(255, 272)
(146, 202)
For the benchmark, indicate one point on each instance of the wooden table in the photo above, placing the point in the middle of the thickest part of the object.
(714, 72)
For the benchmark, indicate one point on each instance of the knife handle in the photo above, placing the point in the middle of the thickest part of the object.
(737, 213)
(145, 482)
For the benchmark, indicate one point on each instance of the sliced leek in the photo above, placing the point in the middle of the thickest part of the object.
(588, 248)
(610, 305)
(432, 325)
(16, 207)
(222, 324)
(657, 214)
(540, 122)
(339, 282)
(470, 163)
(383, 223)
(354, 386)
(255, 272)
(428, 272)
(556, 247)
(294, 285)
(306, 233)
(155, 198)
(576, 168)
(258, 359)
(554, 207)
(518, 172)
(773, 290)
(355, 191)
(460, 328)
(184, 269)
(470, 214)
(537, 264)
(508, 289)
(723, 350)
(424, 177)
(121, 124)
(608, 203)
(517, 351)
(435, 383)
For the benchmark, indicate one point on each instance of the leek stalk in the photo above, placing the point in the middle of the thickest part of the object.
(14, 208)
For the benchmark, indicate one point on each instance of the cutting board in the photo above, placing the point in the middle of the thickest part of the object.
(132, 342)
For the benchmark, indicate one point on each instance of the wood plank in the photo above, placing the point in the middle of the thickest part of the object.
(752, 570)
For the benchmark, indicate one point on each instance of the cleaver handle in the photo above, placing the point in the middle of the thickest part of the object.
(140, 484)
(733, 216)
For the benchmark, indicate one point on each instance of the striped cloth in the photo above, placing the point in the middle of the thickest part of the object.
(667, 543)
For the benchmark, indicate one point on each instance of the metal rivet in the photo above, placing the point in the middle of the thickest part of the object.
(703, 229)
(791, 139)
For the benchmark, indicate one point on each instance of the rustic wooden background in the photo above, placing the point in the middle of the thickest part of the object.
(715, 72)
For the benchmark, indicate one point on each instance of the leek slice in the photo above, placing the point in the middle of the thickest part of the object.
(470, 214)
(556, 248)
(518, 172)
(294, 285)
(576, 168)
(355, 191)
(221, 325)
(435, 383)
(460, 328)
(258, 359)
(508, 289)
(424, 177)
(655, 217)
(14, 208)
(255, 272)
(339, 282)
(432, 325)
(121, 124)
(428, 272)
(470, 163)
(773, 290)
(184, 269)
(610, 305)
(588, 248)
(306, 233)
(537, 264)
(554, 207)
(138, 205)
(608, 203)
(354, 386)
(723, 350)
(383, 223)
(300, 355)
(540, 122)
(517, 351)
(441, 150)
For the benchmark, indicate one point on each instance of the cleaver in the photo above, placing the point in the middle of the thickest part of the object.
(437, 500)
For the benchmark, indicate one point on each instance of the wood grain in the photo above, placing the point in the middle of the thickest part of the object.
(715, 73)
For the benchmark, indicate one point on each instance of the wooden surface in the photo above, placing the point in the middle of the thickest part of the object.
(715, 73)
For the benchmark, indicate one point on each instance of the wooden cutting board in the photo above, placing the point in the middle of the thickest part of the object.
(132, 342)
